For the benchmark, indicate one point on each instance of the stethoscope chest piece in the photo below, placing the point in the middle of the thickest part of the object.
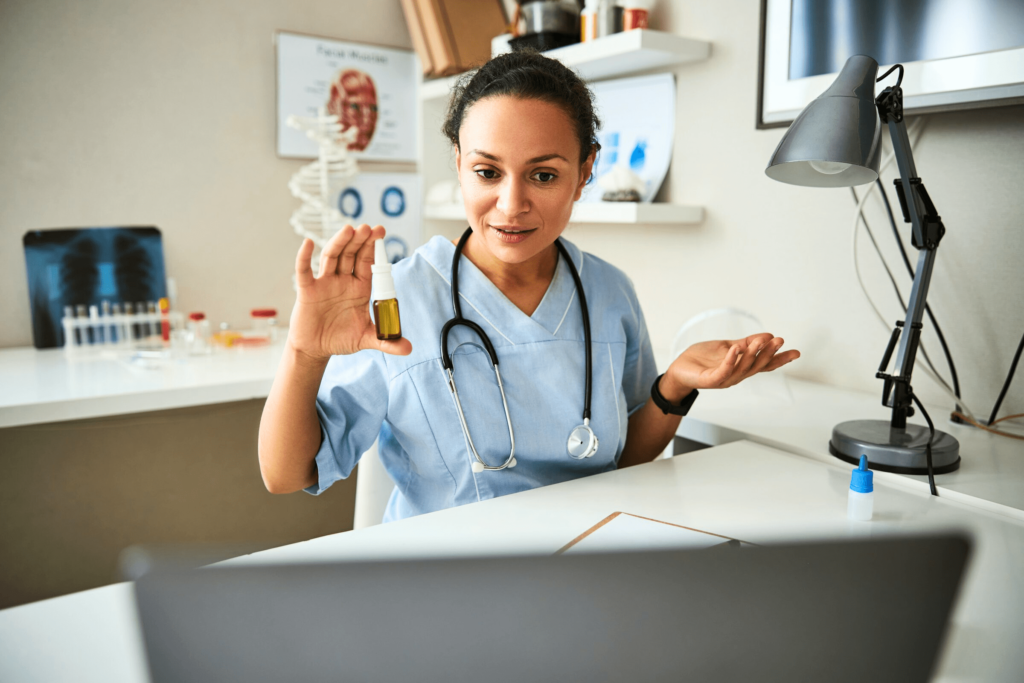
(582, 442)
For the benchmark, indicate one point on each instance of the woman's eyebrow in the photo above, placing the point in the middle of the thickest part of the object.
(535, 160)
(546, 157)
(484, 154)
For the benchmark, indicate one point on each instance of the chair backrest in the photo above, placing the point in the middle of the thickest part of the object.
(373, 490)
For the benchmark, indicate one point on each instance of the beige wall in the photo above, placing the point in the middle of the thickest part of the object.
(162, 113)
(138, 112)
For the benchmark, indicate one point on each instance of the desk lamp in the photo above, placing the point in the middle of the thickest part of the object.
(836, 142)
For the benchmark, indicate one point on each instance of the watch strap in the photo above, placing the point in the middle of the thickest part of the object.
(668, 407)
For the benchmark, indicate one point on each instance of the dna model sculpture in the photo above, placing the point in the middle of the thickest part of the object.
(316, 183)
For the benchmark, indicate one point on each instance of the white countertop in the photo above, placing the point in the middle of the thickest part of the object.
(42, 386)
(798, 417)
(791, 415)
(743, 490)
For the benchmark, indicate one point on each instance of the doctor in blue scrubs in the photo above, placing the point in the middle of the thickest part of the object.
(523, 130)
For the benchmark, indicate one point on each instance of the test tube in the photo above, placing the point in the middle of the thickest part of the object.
(129, 326)
(81, 332)
(70, 315)
(95, 329)
(108, 330)
(152, 329)
(140, 329)
(165, 320)
(117, 327)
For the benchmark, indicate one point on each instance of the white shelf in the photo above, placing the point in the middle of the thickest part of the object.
(604, 212)
(620, 54)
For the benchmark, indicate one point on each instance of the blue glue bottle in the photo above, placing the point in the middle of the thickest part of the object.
(861, 502)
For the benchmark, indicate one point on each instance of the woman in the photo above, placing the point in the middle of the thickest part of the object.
(523, 131)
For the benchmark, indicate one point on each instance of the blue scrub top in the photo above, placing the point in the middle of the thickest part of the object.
(405, 400)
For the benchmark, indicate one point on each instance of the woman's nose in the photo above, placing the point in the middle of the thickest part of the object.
(512, 197)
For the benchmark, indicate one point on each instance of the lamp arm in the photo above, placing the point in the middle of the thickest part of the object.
(927, 232)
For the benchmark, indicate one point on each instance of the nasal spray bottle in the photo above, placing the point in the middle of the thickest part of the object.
(385, 300)
(861, 503)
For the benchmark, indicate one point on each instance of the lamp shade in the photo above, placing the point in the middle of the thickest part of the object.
(836, 140)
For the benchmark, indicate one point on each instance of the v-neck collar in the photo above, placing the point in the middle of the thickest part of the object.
(481, 298)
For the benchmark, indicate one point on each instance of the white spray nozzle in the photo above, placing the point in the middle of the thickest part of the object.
(383, 284)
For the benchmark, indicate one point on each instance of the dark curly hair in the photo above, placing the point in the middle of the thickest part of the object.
(525, 74)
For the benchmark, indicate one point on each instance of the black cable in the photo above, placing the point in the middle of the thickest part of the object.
(895, 287)
(885, 265)
(1009, 378)
(927, 308)
(928, 446)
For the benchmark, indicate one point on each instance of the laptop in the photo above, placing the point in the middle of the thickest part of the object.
(871, 610)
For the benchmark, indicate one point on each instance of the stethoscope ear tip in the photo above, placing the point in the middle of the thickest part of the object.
(478, 467)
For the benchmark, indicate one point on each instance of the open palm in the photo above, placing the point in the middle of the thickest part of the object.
(721, 364)
(331, 315)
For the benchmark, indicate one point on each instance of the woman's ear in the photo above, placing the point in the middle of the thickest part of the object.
(585, 170)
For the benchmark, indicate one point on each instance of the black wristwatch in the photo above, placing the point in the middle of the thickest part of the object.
(671, 408)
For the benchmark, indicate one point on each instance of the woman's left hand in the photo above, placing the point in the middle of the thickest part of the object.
(721, 364)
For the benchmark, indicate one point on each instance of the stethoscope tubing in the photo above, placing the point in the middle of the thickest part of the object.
(449, 366)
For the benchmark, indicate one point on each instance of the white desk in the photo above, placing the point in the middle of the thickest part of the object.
(798, 416)
(742, 489)
(42, 386)
(791, 415)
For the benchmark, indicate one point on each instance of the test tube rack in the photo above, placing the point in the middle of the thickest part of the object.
(104, 335)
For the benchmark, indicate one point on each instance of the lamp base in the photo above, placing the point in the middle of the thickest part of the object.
(894, 450)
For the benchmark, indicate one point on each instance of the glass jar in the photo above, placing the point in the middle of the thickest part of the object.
(198, 334)
(264, 323)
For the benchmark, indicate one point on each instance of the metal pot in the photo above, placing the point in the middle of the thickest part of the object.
(551, 16)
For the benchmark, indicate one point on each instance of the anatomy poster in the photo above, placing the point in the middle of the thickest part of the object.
(372, 89)
(388, 199)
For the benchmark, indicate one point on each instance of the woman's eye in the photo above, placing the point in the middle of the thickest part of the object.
(544, 176)
(487, 173)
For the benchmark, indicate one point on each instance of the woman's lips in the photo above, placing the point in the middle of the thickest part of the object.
(511, 234)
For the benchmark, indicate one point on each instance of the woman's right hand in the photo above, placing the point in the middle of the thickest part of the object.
(331, 315)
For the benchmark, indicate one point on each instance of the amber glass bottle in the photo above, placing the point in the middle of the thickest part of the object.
(385, 300)
(385, 315)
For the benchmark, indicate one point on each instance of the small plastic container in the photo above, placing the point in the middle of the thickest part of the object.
(198, 334)
(588, 22)
(861, 502)
(634, 14)
(225, 337)
(608, 18)
(264, 324)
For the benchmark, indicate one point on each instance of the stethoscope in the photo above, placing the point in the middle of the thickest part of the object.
(582, 440)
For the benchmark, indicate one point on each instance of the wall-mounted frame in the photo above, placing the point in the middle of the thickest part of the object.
(953, 81)
(371, 88)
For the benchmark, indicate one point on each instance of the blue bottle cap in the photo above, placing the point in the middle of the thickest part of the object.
(862, 480)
